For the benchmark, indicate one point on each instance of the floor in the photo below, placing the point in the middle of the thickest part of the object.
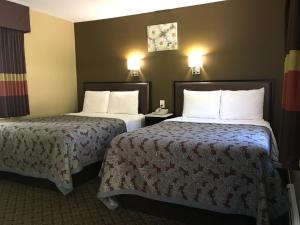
(23, 204)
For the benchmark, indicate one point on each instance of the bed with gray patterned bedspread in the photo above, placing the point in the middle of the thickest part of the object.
(55, 147)
(220, 167)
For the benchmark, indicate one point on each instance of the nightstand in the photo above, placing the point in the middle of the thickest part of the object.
(151, 118)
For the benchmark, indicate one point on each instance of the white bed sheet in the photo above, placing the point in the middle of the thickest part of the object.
(274, 153)
(133, 122)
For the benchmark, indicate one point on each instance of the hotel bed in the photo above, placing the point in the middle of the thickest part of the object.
(224, 166)
(57, 147)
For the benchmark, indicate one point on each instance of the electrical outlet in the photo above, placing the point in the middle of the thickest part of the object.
(162, 104)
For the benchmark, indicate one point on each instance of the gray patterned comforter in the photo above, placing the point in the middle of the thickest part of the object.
(219, 167)
(55, 147)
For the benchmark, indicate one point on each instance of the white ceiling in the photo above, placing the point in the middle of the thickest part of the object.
(85, 10)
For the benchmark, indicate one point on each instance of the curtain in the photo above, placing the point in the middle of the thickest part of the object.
(13, 84)
(290, 129)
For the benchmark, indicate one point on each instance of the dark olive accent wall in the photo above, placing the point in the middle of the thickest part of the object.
(243, 40)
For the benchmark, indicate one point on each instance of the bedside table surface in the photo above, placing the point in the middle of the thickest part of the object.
(159, 115)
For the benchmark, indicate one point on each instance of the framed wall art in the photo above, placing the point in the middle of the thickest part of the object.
(162, 37)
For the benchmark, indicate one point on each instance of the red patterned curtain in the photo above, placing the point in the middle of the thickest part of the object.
(290, 130)
(13, 84)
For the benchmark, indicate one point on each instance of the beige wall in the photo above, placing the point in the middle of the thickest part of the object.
(51, 69)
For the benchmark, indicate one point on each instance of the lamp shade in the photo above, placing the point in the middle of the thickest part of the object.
(195, 59)
(133, 63)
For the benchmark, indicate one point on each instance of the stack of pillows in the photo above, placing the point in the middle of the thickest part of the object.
(226, 105)
(120, 102)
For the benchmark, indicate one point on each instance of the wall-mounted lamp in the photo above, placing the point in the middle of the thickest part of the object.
(195, 62)
(133, 65)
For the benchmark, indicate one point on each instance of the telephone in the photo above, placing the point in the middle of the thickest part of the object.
(160, 111)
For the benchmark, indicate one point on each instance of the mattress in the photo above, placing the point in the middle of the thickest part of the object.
(223, 167)
(133, 122)
(274, 153)
(55, 147)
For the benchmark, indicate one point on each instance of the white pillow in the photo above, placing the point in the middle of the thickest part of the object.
(201, 104)
(124, 102)
(242, 105)
(96, 101)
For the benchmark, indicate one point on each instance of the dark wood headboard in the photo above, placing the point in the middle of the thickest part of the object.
(142, 87)
(179, 86)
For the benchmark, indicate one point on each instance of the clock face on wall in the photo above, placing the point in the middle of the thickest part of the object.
(162, 37)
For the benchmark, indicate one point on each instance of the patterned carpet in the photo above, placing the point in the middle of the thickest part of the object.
(22, 204)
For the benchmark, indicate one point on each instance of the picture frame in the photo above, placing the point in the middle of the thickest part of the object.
(162, 37)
